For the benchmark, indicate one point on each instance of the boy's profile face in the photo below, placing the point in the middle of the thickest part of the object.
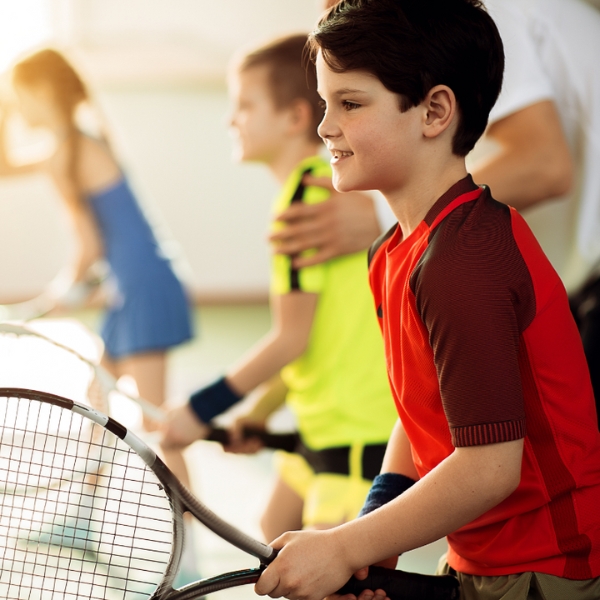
(258, 127)
(373, 144)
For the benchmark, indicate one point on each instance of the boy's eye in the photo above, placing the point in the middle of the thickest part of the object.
(350, 105)
(322, 104)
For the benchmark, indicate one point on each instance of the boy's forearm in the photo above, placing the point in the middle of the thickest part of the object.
(464, 486)
(398, 455)
(264, 361)
(292, 315)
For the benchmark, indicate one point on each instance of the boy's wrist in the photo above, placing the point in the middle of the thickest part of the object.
(353, 540)
(213, 400)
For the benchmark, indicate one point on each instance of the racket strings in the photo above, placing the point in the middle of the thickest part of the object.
(81, 516)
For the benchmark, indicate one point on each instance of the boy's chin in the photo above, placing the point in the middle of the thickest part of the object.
(343, 185)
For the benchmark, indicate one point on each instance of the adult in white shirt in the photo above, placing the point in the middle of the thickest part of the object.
(547, 125)
(540, 154)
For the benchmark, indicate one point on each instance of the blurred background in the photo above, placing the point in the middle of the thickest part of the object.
(158, 71)
(157, 68)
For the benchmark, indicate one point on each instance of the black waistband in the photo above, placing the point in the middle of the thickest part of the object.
(337, 460)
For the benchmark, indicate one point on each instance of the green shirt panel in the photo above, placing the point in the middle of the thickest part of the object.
(338, 389)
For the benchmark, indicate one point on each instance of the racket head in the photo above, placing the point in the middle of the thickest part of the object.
(100, 388)
(82, 512)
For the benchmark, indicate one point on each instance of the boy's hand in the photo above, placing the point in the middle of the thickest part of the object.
(310, 566)
(343, 224)
(181, 428)
(238, 444)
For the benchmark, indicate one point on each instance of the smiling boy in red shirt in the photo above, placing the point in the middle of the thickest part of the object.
(495, 447)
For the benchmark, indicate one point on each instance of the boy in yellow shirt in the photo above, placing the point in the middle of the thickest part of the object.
(324, 343)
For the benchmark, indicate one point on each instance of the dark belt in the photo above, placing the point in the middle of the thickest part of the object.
(337, 460)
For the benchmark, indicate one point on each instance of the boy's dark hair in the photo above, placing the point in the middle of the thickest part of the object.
(412, 46)
(289, 77)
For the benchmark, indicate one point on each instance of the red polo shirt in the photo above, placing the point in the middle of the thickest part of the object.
(481, 348)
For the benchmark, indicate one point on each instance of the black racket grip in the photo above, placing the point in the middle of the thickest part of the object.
(275, 441)
(400, 585)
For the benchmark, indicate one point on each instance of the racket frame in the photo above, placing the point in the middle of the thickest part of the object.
(181, 500)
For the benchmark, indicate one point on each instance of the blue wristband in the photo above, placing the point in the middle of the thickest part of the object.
(385, 487)
(213, 400)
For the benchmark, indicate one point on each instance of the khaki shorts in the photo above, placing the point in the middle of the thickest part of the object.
(329, 498)
(522, 586)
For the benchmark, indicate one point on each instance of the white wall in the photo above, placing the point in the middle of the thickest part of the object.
(158, 68)
(178, 152)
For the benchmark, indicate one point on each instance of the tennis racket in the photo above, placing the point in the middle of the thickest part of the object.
(105, 381)
(107, 384)
(87, 510)
(62, 290)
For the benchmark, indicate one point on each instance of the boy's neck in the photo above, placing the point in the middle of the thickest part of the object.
(411, 204)
(293, 153)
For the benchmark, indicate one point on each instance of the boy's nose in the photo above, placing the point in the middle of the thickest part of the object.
(325, 129)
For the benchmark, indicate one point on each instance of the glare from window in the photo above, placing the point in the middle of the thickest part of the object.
(23, 24)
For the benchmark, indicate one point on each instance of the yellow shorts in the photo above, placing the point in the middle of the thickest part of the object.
(329, 499)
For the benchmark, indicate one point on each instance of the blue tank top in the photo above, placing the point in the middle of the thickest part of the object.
(150, 309)
(130, 246)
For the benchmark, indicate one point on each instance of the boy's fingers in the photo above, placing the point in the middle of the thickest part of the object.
(344, 597)
(362, 573)
(181, 428)
(267, 583)
(295, 247)
(301, 212)
(249, 446)
(301, 240)
(380, 595)
(323, 255)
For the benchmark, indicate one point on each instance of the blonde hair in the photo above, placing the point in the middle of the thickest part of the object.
(49, 67)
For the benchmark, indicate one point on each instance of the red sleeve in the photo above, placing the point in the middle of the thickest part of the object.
(475, 296)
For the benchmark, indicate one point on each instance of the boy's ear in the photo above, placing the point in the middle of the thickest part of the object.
(301, 116)
(440, 106)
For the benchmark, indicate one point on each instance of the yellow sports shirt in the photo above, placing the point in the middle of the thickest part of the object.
(338, 389)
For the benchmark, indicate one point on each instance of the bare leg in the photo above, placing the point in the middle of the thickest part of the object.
(283, 512)
(149, 371)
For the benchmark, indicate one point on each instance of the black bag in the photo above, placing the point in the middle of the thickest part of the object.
(585, 304)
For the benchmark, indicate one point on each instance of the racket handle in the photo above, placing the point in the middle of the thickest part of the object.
(400, 585)
(275, 441)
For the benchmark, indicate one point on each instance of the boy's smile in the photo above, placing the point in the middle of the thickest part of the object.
(372, 143)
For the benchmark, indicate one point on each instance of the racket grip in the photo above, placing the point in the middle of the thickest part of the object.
(275, 441)
(400, 585)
